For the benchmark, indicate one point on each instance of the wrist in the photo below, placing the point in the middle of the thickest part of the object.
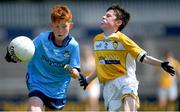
(163, 63)
(87, 79)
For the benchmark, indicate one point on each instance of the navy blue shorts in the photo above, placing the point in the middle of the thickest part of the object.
(52, 103)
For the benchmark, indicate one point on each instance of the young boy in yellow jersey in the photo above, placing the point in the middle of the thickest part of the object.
(168, 92)
(115, 56)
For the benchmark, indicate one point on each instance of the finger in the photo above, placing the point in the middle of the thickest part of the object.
(172, 74)
(170, 67)
(172, 70)
(81, 76)
(81, 81)
(82, 84)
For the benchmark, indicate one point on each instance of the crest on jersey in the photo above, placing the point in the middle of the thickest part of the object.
(66, 54)
(115, 44)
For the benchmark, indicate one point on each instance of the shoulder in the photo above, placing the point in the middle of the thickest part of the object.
(124, 38)
(98, 36)
(122, 35)
(42, 35)
(41, 38)
(73, 41)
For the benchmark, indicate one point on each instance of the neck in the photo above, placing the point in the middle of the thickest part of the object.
(109, 32)
(58, 42)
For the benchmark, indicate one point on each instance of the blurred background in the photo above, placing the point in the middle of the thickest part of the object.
(154, 25)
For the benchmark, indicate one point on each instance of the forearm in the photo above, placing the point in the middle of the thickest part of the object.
(91, 77)
(156, 62)
(152, 61)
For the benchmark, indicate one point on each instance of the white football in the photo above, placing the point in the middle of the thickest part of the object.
(22, 48)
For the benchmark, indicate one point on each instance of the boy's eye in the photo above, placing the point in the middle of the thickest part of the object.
(62, 26)
(108, 15)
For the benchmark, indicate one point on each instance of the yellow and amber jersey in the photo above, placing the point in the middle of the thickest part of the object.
(115, 56)
(166, 80)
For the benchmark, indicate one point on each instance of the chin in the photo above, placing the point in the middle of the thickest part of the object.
(103, 27)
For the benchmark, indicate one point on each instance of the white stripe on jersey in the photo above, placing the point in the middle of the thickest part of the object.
(108, 45)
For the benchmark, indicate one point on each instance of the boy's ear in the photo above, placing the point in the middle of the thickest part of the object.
(71, 25)
(118, 22)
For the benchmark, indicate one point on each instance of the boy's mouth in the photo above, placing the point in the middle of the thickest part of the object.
(59, 35)
(103, 21)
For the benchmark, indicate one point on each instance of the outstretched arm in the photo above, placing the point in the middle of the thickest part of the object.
(156, 62)
(152, 61)
(84, 81)
(91, 77)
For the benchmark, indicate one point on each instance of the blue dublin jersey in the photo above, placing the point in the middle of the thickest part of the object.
(45, 70)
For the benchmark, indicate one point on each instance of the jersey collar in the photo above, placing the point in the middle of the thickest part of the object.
(108, 36)
(65, 41)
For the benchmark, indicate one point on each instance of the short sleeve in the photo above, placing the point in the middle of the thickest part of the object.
(75, 57)
(37, 40)
(132, 48)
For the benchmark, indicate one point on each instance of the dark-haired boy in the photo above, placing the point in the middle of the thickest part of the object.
(115, 56)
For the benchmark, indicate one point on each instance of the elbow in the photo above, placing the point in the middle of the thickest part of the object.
(143, 58)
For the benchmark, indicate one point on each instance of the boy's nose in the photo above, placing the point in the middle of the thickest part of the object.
(60, 30)
(103, 17)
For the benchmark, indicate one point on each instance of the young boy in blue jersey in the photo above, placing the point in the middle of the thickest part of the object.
(47, 80)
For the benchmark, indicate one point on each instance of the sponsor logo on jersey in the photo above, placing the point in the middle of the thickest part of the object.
(110, 59)
(51, 63)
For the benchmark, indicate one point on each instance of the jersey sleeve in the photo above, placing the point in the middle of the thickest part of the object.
(75, 57)
(36, 40)
(135, 51)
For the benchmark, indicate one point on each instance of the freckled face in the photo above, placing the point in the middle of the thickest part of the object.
(61, 30)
